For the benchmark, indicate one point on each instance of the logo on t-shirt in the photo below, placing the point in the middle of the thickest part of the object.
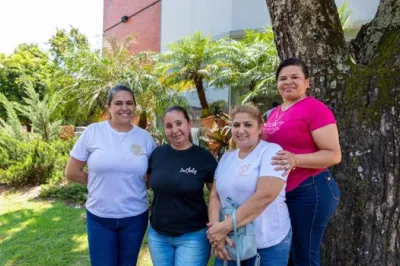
(188, 170)
(271, 128)
(137, 149)
(243, 169)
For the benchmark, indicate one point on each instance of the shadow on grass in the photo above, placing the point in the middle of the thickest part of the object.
(52, 235)
(46, 233)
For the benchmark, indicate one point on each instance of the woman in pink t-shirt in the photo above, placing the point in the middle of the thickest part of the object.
(306, 129)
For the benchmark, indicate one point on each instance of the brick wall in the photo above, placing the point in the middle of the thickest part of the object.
(146, 24)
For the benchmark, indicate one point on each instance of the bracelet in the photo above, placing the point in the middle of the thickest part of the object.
(296, 161)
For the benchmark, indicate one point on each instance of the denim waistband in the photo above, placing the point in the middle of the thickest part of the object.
(310, 180)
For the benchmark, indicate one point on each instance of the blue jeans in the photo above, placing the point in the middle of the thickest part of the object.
(277, 255)
(115, 242)
(311, 205)
(191, 249)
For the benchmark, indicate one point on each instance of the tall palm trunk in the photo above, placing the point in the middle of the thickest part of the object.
(201, 93)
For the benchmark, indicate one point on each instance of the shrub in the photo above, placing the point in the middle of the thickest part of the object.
(72, 193)
(32, 161)
(218, 106)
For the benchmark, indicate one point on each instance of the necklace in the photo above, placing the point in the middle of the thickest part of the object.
(279, 113)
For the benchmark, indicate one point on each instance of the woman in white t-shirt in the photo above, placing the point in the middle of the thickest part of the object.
(116, 153)
(247, 176)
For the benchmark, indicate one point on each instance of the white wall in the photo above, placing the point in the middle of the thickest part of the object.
(180, 18)
(249, 14)
(219, 18)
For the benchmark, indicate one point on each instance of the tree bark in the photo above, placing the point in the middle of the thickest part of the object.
(201, 93)
(362, 86)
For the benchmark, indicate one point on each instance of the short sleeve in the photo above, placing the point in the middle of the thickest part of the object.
(212, 163)
(151, 145)
(319, 116)
(80, 151)
(266, 168)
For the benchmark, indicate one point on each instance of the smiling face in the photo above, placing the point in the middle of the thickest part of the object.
(292, 83)
(121, 108)
(246, 130)
(177, 129)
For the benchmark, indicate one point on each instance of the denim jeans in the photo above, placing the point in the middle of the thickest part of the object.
(115, 242)
(277, 255)
(191, 249)
(311, 205)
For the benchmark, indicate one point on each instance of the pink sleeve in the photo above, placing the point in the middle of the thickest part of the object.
(319, 115)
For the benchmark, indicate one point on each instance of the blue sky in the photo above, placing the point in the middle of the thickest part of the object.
(36, 20)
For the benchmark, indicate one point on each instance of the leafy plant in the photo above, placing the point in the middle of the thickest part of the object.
(344, 15)
(32, 161)
(190, 63)
(249, 64)
(11, 125)
(69, 192)
(218, 106)
(39, 113)
(221, 134)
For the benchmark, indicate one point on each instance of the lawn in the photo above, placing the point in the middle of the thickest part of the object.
(41, 232)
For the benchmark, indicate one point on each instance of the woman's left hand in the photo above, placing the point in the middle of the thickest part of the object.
(217, 232)
(285, 161)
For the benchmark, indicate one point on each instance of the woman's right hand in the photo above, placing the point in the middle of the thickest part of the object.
(285, 160)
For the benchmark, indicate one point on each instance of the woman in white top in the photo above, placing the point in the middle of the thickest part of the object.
(116, 153)
(247, 176)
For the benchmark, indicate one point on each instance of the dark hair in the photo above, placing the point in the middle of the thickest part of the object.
(117, 88)
(181, 110)
(275, 104)
(292, 62)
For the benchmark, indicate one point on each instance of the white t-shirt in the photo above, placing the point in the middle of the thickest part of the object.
(117, 163)
(237, 178)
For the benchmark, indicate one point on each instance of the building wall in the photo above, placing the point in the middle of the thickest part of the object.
(257, 18)
(170, 20)
(181, 18)
(220, 18)
(146, 24)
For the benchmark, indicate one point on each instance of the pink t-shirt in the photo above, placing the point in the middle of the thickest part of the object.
(292, 129)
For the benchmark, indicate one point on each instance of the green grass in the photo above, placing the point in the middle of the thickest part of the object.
(44, 232)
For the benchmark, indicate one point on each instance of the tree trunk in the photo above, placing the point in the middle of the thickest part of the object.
(365, 97)
(201, 93)
(142, 120)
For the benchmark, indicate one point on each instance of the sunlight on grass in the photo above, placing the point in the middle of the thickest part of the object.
(36, 232)
(144, 257)
(80, 243)
(14, 229)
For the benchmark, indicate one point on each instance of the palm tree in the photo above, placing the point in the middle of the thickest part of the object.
(116, 64)
(190, 64)
(250, 63)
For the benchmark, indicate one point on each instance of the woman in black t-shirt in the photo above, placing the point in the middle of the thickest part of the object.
(177, 174)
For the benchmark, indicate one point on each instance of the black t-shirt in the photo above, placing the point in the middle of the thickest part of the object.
(177, 178)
